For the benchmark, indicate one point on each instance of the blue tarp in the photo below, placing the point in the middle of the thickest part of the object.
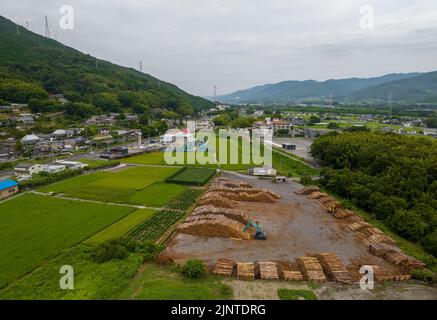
(4, 184)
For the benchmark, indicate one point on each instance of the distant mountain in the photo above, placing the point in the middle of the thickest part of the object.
(29, 57)
(407, 86)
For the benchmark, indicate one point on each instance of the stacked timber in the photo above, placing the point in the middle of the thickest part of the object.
(311, 269)
(292, 275)
(334, 267)
(354, 218)
(268, 270)
(237, 215)
(245, 194)
(341, 213)
(307, 190)
(245, 270)
(214, 226)
(216, 200)
(317, 195)
(381, 274)
(224, 267)
(357, 226)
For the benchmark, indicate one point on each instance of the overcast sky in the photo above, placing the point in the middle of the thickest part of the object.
(236, 44)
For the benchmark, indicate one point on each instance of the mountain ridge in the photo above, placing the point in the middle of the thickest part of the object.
(395, 86)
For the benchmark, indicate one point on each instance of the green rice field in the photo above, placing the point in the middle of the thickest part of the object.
(34, 228)
(192, 176)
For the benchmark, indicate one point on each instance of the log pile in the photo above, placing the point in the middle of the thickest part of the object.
(341, 213)
(268, 270)
(292, 275)
(311, 269)
(381, 274)
(357, 226)
(216, 200)
(245, 270)
(224, 267)
(307, 190)
(334, 267)
(317, 195)
(245, 194)
(237, 215)
(214, 226)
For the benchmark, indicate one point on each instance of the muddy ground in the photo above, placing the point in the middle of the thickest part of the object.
(296, 226)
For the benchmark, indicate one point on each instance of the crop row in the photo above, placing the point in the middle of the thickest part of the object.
(153, 228)
(184, 200)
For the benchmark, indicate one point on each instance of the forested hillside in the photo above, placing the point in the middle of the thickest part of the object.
(392, 176)
(32, 66)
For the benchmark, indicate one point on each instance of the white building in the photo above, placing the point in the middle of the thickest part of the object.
(72, 165)
(27, 169)
(52, 168)
(29, 139)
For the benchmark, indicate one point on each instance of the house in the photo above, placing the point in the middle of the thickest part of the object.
(203, 126)
(8, 188)
(430, 132)
(30, 139)
(26, 118)
(71, 165)
(52, 168)
(27, 169)
(115, 153)
(60, 133)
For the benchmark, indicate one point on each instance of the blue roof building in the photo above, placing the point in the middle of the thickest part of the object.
(5, 184)
(8, 188)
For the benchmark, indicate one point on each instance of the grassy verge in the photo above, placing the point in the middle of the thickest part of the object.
(290, 294)
(162, 283)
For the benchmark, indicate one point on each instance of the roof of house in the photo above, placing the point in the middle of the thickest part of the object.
(4, 184)
(24, 165)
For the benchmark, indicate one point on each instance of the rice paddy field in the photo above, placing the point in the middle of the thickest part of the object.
(34, 228)
(120, 228)
(192, 176)
(135, 185)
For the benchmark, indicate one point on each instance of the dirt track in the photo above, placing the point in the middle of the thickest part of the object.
(295, 226)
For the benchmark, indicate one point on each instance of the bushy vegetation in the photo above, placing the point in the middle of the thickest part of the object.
(392, 176)
(193, 269)
(424, 275)
(119, 249)
(290, 294)
(45, 178)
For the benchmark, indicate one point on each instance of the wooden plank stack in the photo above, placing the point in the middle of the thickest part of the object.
(224, 267)
(268, 270)
(311, 269)
(307, 190)
(292, 275)
(341, 213)
(381, 274)
(334, 267)
(245, 270)
(356, 226)
(317, 195)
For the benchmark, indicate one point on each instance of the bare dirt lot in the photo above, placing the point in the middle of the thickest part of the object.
(296, 226)
(302, 146)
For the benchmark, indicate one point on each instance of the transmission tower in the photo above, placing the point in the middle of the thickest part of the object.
(141, 66)
(215, 92)
(47, 28)
(27, 25)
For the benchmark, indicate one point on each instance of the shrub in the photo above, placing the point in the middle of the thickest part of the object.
(110, 250)
(423, 275)
(430, 243)
(193, 269)
(307, 181)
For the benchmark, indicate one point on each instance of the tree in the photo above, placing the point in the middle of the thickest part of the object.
(242, 122)
(222, 120)
(333, 126)
(80, 110)
(106, 101)
(314, 119)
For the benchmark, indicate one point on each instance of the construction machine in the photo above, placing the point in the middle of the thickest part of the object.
(260, 234)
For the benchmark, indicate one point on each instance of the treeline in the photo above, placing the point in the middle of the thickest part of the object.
(393, 177)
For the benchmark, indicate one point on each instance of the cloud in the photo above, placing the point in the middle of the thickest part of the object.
(234, 44)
